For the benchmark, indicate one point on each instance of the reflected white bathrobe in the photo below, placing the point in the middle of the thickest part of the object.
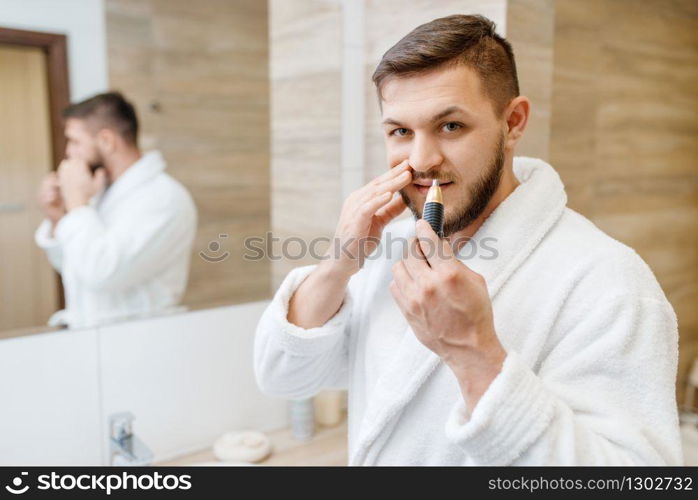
(127, 253)
(592, 348)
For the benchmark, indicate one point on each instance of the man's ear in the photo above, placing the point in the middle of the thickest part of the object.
(517, 114)
(106, 141)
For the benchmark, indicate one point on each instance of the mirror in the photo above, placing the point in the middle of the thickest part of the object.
(161, 228)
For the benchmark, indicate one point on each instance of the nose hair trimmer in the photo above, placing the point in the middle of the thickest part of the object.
(433, 211)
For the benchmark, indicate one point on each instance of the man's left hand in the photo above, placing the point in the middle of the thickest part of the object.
(78, 184)
(449, 309)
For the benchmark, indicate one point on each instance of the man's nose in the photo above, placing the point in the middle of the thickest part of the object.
(425, 154)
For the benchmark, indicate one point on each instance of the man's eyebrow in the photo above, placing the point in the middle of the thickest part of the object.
(448, 111)
(391, 121)
(439, 116)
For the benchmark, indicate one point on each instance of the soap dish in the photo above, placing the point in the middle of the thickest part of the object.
(244, 446)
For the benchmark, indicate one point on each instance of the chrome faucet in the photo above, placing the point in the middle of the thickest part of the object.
(125, 448)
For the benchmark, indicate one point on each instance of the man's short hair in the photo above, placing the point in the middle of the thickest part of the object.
(109, 110)
(468, 40)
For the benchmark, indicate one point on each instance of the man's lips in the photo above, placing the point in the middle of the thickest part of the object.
(423, 186)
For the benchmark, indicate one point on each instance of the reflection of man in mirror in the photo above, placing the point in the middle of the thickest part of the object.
(118, 229)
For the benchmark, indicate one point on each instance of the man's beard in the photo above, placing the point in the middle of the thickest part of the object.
(95, 165)
(96, 162)
(480, 192)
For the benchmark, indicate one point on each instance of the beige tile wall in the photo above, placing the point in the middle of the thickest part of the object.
(530, 30)
(203, 66)
(624, 135)
(305, 71)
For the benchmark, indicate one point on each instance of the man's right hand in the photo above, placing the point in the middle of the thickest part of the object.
(364, 215)
(50, 199)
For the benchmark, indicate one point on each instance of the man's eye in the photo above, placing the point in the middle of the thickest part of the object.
(400, 132)
(452, 126)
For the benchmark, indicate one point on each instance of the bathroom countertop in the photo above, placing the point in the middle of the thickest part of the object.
(327, 447)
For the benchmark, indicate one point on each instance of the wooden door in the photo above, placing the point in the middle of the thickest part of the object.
(28, 284)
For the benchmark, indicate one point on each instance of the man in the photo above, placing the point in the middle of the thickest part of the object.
(118, 229)
(558, 348)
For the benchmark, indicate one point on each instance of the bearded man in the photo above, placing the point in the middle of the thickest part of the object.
(559, 348)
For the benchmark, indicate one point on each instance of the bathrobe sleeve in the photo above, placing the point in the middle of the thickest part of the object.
(296, 363)
(49, 244)
(605, 394)
(129, 251)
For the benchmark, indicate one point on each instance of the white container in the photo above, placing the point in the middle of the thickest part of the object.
(302, 419)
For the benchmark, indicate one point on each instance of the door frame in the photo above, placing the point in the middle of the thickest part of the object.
(55, 46)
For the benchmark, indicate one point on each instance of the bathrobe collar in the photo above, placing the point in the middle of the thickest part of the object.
(144, 169)
(518, 223)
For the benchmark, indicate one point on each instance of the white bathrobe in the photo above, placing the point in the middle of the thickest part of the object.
(592, 347)
(127, 253)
